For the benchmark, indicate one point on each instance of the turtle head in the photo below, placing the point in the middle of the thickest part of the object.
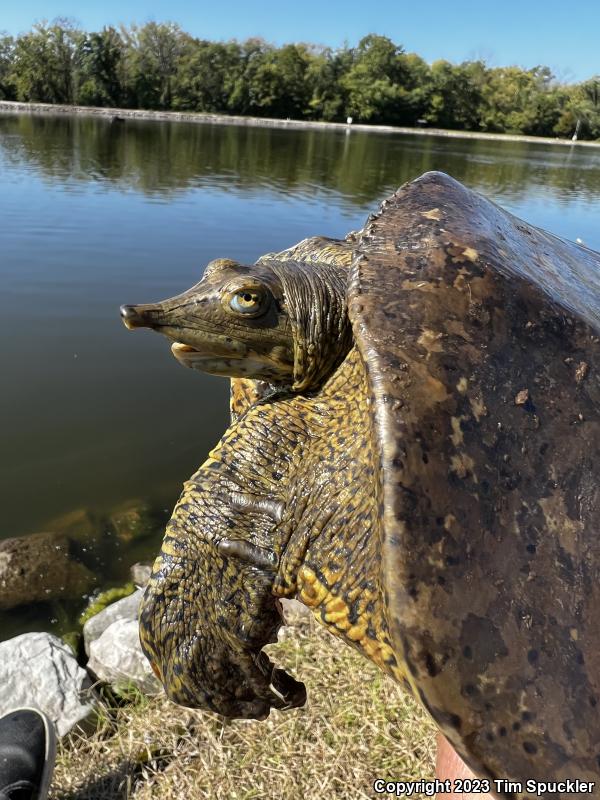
(284, 322)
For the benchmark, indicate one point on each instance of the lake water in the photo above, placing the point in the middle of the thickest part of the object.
(93, 215)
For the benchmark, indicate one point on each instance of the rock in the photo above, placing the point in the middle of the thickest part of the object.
(140, 573)
(39, 670)
(90, 535)
(112, 642)
(134, 520)
(294, 611)
(40, 567)
(81, 525)
(125, 609)
(295, 615)
(116, 657)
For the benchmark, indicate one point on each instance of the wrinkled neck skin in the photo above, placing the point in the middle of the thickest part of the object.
(315, 303)
(279, 509)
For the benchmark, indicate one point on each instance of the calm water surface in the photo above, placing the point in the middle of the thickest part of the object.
(93, 215)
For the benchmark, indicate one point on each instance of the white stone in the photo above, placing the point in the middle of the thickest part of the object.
(294, 611)
(39, 670)
(140, 573)
(116, 657)
(127, 608)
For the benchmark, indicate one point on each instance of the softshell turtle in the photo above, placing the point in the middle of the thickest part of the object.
(415, 456)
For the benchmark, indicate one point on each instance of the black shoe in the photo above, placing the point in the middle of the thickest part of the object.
(27, 752)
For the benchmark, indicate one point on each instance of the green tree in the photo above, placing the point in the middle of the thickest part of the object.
(374, 80)
(206, 76)
(581, 110)
(44, 67)
(456, 97)
(7, 47)
(329, 98)
(273, 82)
(413, 100)
(244, 98)
(519, 101)
(102, 69)
(154, 52)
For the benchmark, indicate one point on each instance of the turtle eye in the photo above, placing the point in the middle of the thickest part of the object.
(247, 301)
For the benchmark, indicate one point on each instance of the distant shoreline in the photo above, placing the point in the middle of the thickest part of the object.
(268, 122)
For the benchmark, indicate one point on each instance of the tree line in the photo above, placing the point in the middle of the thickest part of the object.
(160, 66)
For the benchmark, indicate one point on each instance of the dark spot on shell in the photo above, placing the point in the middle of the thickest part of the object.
(490, 737)
(593, 702)
(452, 561)
(430, 665)
(530, 748)
(470, 689)
(502, 731)
(527, 716)
(531, 548)
(516, 726)
(450, 719)
(533, 656)
(441, 580)
(467, 652)
(568, 730)
(488, 642)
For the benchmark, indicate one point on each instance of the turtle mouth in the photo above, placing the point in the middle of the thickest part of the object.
(205, 360)
(185, 354)
(191, 357)
(243, 362)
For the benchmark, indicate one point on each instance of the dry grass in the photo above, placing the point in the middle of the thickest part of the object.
(357, 726)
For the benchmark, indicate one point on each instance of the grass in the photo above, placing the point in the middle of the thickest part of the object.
(357, 726)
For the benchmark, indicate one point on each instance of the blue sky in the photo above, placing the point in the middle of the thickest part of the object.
(563, 35)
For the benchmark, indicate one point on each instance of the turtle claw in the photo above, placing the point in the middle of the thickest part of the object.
(291, 692)
(285, 691)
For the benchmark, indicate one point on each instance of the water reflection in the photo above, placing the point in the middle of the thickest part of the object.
(163, 158)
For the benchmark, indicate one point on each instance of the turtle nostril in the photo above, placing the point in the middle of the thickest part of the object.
(132, 317)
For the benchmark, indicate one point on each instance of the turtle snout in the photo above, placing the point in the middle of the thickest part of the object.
(132, 317)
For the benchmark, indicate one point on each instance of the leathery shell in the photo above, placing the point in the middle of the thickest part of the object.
(480, 340)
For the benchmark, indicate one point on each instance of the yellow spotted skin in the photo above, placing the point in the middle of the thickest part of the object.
(334, 612)
(332, 559)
